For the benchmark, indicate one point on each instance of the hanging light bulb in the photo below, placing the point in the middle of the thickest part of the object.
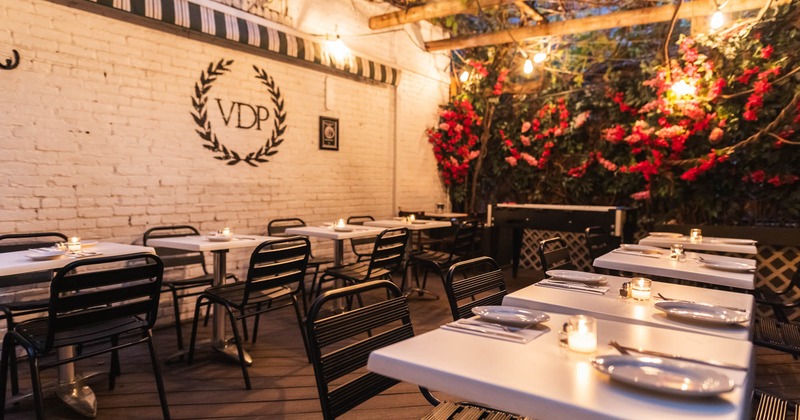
(528, 67)
(717, 20)
(539, 57)
(338, 49)
(682, 88)
(464, 76)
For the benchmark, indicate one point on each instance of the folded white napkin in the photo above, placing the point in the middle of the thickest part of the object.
(575, 286)
(477, 327)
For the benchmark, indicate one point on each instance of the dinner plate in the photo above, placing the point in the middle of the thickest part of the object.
(644, 249)
(511, 315)
(219, 238)
(701, 312)
(42, 255)
(343, 229)
(665, 234)
(88, 243)
(664, 375)
(577, 276)
(728, 266)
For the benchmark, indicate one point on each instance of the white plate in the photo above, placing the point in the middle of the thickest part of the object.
(578, 276)
(701, 312)
(728, 266)
(665, 376)
(42, 255)
(344, 229)
(88, 243)
(665, 234)
(644, 249)
(511, 315)
(219, 238)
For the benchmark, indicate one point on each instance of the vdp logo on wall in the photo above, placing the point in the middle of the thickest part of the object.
(252, 117)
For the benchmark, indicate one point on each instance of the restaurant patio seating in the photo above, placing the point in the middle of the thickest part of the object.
(359, 244)
(20, 242)
(554, 254)
(340, 345)
(440, 261)
(387, 255)
(278, 228)
(771, 407)
(482, 285)
(274, 279)
(175, 260)
(600, 242)
(781, 301)
(777, 335)
(103, 304)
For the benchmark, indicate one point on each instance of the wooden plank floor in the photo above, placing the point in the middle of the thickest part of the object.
(283, 381)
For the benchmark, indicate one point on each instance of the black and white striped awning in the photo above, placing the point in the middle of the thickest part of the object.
(187, 14)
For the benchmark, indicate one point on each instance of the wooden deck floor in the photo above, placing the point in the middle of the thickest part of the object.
(283, 381)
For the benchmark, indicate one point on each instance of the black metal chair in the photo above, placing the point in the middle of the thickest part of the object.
(340, 346)
(771, 407)
(20, 242)
(781, 301)
(103, 304)
(180, 260)
(599, 242)
(440, 261)
(554, 254)
(274, 279)
(278, 228)
(777, 335)
(360, 245)
(387, 255)
(481, 285)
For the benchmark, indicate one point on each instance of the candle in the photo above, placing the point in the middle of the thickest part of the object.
(676, 252)
(340, 224)
(696, 235)
(640, 288)
(226, 231)
(582, 334)
(411, 218)
(74, 244)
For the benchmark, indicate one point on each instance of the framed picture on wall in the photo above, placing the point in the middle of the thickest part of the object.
(328, 133)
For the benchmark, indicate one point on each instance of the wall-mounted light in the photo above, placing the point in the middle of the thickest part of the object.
(528, 67)
(464, 76)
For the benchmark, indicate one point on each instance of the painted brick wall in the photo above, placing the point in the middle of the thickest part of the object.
(98, 141)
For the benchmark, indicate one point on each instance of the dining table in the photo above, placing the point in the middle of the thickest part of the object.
(561, 296)
(696, 267)
(544, 380)
(415, 227)
(706, 243)
(71, 387)
(337, 235)
(219, 249)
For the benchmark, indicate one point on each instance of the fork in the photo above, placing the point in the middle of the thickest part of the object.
(488, 324)
(689, 301)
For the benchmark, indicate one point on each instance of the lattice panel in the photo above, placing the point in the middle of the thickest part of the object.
(575, 242)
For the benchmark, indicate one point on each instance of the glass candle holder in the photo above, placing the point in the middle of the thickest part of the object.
(340, 224)
(676, 252)
(640, 288)
(411, 218)
(695, 235)
(226, 231)
(582, 334)
(439, 208)
(74, 244)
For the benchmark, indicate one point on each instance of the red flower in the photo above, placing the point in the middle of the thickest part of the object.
(766, 52)
(775, 180)
(745, 77)
(757, 176)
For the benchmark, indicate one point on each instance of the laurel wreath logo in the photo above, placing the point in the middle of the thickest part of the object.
(200, 100)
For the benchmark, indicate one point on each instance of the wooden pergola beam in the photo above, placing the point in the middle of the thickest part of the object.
(529, 11)
(433, 10)
(595, 23)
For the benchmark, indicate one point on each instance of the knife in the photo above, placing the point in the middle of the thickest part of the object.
(507, 335)
(716, 363)
(569, 287)
(638, 254)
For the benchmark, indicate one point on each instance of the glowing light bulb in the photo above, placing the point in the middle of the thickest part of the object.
(540, 57)
(464, 76)
(338, 49)
(682, 88)
(528, 67)
(717, 20)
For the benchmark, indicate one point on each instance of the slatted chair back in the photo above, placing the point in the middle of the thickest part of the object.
(464, 241)
(599, 242)
(275, 264)
(359, 243)
(103, 291)
(176, 258)
(278, 227)
(21, 241)
(554, 254)
(389, 250)
(472, 283)
(340, 344)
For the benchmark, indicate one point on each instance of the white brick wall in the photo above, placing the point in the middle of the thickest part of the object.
(97, 138)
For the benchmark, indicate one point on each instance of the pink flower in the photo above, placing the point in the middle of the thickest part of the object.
(458, 128)
(511, 160)
(444, 126)
(474, 154)
(526, 141)
(716, 135)
(641, 195)
(580, 119)
(530, 160)
(526, 126)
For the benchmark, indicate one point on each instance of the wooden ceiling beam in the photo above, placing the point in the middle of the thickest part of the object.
(595, 23)
(433, 10)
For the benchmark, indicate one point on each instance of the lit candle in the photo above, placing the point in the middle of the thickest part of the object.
(411, 218)
(340, 224)
(226, 231)
(696, 235)
(582, 334)
(74, 244)
(676, 252)
(640, 288)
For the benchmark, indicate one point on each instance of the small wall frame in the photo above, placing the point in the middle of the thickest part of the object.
(328, 133)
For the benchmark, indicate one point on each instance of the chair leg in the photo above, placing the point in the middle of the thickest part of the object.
(115, 368)
(255, 324)
(13, 361)
(162, 393)
(5, 359)
(193, 338)
(239, 347)
(311, 291)
(302, 327)
(176, 308)
(36, 383)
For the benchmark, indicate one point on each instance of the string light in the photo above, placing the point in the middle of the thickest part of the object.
(717, 20)
(528, 67)
(539, 57)
(338, 49)
(464, 76)
(681, 88)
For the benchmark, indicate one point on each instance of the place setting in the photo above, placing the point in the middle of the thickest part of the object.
(577, 281)
(73, 248)
(508, 323)
(725, 265)
(641, 251)
(225, 235)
